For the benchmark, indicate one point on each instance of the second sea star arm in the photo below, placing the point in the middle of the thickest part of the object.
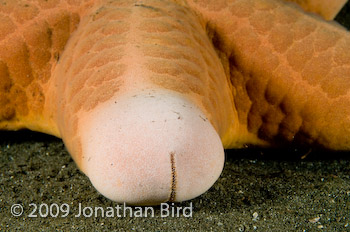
(290, 71)
(32, 38)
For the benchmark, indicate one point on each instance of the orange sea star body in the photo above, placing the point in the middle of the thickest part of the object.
(146, 94)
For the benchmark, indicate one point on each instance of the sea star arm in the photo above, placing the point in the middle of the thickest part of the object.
(142, 101)
(290, 71)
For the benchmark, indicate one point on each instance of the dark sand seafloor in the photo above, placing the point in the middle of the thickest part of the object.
(290, 189)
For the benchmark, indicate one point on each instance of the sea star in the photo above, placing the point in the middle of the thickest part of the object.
(145, 94)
